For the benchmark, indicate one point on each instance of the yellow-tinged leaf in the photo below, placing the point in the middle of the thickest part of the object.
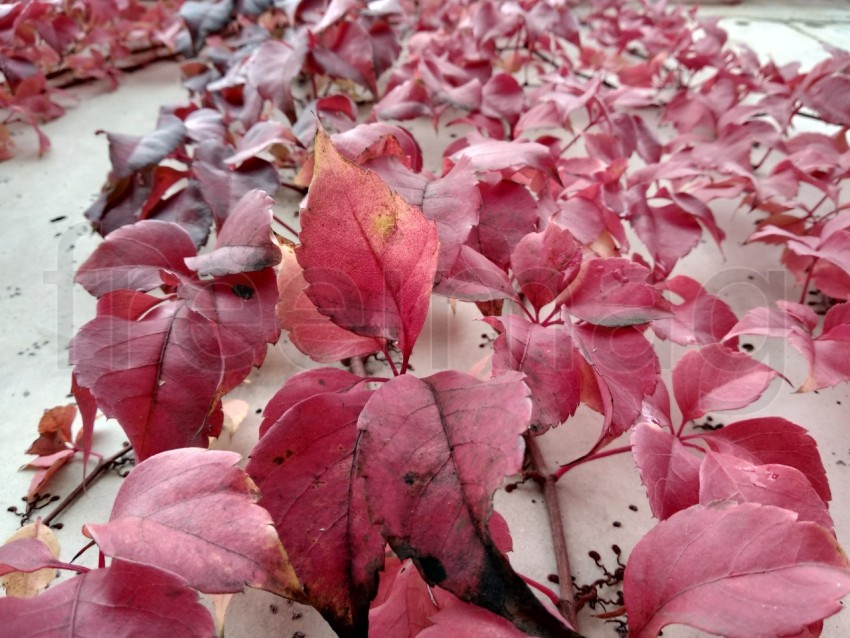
(23, 585)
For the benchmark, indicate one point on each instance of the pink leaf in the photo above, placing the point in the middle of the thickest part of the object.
(193, 513)
(431, 466)
(373, 274)
(740, 571)
(28, 555)
(668, 470)
(262, 136)
(545, 263)
(272, 68)
(717, 378)
(548, 358)
(47, 467)
(310, 331)
(499, 155)
(123, 599)
(614, 292)
(773, 440)
(88, 411)
(728, 478)
(244, 243)
(304, 467)
(701, 318)
(132, 257)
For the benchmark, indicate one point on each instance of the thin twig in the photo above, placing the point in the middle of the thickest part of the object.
(565, 605)
(100, 468)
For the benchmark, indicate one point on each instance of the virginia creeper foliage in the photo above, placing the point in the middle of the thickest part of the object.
(591, 150)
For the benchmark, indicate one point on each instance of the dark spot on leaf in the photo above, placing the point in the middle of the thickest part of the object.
(748, 347)
(432, 569)
(278, 460)
(296, 615)
(299, 634)
(409, 478)
(245, 292)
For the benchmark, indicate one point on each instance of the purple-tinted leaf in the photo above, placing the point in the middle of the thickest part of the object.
(462, 620)
(406, 607)
(129, 153)
(717, 378)
(244, 243)
(545, 263)
(670, 473)
(614, 292)
(739, 570)
(431, 465)
(310, 331)
(728, 478)
(548, 358)
(773, 440)
(373, 274)
(203, 18)
(502, 96)
(123, 599)
(133, 256)
(667, 231)
(304, 467)
(366, 142)
(221, 186)
(193, 513)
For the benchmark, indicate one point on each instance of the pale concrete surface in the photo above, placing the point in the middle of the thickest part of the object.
(41, 310)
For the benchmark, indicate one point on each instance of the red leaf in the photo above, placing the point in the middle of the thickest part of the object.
(728, 478)
(502, 96)
(310, 331)
(740, 571)
(133, 256)
(700, 319)
(262, 136)
(88, 411)
(244, 243)
(193, 513)
(545, 263)
(626, 368)
(500, 155)
(124, 599)
(304, 467)
(669, 471)
(373, 274)
(431, 465)
(304, 385)
(162, 376)
(508, 214)
(473, 277)
(667, 231)
(406, 607)
(548, 359)
(614, 292)
(773, 440)
(461, 620)
(717, 378)
(452, 201)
